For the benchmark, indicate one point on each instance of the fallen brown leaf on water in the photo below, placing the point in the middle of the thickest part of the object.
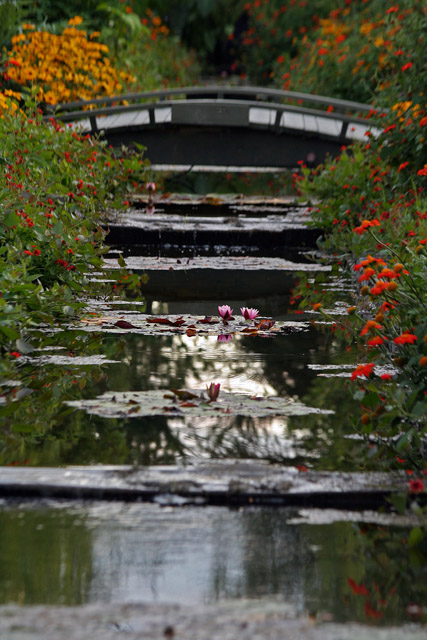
(173, 323)
(207, 320)
(265, 324)
(124, 324)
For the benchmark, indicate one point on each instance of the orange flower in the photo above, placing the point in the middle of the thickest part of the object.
(358, 589)
(375, 342)
(366, 224)
(405, 338)
(392, 286)
(402, 166)
(367, 274)
(423, 361)
(362, 370)
(371, 324)
(387, 273)
(378, 288)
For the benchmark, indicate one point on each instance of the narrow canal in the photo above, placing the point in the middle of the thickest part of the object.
(341, 565)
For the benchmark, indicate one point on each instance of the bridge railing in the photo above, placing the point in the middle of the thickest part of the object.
(221, 106)
(220, 93)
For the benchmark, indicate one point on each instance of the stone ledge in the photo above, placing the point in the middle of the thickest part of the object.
(215, 482)
(242, 619)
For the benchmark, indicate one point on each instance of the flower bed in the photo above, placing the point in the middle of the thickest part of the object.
(373, 208)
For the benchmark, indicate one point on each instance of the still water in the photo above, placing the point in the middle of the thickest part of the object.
(338, 564)
(345, 566)
(77, 364)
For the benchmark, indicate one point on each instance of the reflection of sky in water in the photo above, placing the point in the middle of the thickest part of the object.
(227, 367)
(115, 552)
(236, 369)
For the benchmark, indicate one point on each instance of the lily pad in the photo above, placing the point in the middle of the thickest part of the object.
(133, 322)
(190, 403)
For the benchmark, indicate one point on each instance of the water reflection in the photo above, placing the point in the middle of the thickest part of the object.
(130, 553)
(39, 429)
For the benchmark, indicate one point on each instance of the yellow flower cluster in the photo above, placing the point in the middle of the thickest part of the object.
(64, 67)
(8, 100)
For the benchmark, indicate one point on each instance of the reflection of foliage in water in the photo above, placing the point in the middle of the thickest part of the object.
(392, 585)
(34, 417)
(362, 572)
(46, 557)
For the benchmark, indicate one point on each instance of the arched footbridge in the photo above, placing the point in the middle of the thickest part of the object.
(225, 127)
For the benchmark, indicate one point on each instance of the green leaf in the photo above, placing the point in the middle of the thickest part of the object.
(9, 332)
(22, 427)
(419, 409)
(415, 537)
(10, 219)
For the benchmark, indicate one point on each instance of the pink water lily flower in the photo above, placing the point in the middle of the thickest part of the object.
(226, 312)
(213, 391)
(225, 338)
(249, 314)
(150, 186)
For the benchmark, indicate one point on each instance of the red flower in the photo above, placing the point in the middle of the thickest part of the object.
(362, 370)
(379, 287)
(370, 612)
(371, 324)
(15, 354)
(402, 166)
(385, 376)
(393, 9)
(387, 273)
(358, 589)
(423, 171)
(373, 342)
(405, 338)
(423, 121)
(406, 66)
(416, 486)
(366, 224)
(368, 272)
